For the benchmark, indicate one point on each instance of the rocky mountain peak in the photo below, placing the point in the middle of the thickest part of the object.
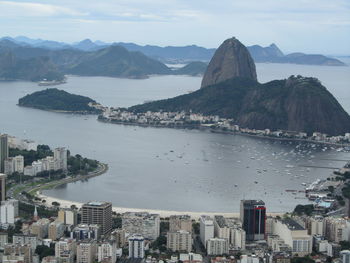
(231, 59)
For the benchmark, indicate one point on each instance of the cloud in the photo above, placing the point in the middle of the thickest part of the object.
(10, 9)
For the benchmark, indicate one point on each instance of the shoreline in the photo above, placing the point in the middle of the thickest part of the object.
(163, 213)
(203, 128)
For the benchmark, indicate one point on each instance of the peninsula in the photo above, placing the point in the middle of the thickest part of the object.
(60, 101)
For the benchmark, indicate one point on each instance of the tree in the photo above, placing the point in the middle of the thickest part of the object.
(44, 251)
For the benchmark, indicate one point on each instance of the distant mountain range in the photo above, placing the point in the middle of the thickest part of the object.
(230, 90)
(173, 54)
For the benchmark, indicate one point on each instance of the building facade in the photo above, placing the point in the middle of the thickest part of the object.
(99, 213)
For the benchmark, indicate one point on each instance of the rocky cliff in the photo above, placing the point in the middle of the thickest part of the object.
(231, 59)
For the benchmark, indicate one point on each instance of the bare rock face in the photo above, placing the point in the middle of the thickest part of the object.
(232, 59)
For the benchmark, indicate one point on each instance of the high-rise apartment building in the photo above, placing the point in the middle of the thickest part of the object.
(60, 156)
(136, 246)
(86, 252)
(206, 229)
(179, 241)
(4, 151)
(253, 217)
(99, 213)
(2, 187)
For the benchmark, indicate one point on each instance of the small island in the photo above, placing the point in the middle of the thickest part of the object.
(60, 101)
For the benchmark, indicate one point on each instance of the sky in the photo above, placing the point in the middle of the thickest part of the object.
(310, 26)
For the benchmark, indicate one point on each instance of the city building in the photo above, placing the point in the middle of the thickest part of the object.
(345, 256)
(86, 251)
(28, 145)
(49, 259)
(56, 230)
(221, 228)
(8, 212)
(60, 156)
(83, 232)
(206, 229)
(21, 239)
(68, 216)
(217, 246)
(180, 222)
(293, 235)
(191, 258)
(237, 238)
(2, 187)
(118, 235)
(14, 165)
(65, 250)
(136, 246)
(40, 228)
(24, 251)
(4, 152)
(253, 217)
(4, 239)
(145, 224)
(107, 252)
(99, 213)
(180, 241)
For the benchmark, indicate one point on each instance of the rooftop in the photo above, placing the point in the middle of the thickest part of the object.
(292, 225)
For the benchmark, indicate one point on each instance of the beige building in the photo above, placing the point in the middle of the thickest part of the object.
(67, 216)
(179, 241)
(19, 250)
(86, 252)
(3, 240)
(221, 228)
(180, 222)
(49, 259)
(56, 230)
(217, 246)
(65, 250)
(40, 228)
(118, 235)
(106, 252)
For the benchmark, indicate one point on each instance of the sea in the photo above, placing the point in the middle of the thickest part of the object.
(176, 169)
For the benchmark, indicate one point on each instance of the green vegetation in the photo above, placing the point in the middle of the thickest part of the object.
(160, 243)
(116, 61)
(31, 156)
(26, 211)
(44, 251)
(263, 106)
(58, 100)
(304, 209)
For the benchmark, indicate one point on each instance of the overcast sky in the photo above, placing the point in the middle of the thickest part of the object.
(312, 26)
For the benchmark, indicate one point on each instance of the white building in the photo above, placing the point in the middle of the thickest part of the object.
(136, 246)
(217, 246)
(14, 164)
(27, 145)
(107, 252)
(345, 256)
(191, 258)
(221, 229)
(21, 239)
(237, 238)
(206, 229)
(29, 170)
(145, 224)
(8, 211)
(179, 241)
(60, 155)
(4, 239)
(294, 235)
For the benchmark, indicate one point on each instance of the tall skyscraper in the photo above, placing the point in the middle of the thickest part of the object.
(99, 213)
(4, 151)
(2, 187)
(253, 217)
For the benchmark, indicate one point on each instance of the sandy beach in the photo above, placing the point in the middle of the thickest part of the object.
(162, 213)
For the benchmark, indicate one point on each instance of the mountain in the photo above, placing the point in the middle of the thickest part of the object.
(88, 45)
(116, 61)
(260, 53)
(33, 69)
(57, 100)
(304, 59)
(294, 104)
(231, 59)
(196, 68)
